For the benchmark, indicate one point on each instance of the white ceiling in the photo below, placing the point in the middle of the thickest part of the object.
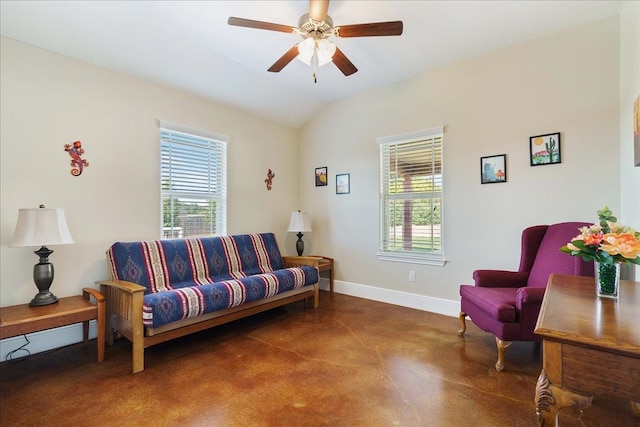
(188, 44)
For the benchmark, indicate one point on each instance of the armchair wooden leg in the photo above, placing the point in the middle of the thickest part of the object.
(635, 408)
(502, 345)
(463, 324)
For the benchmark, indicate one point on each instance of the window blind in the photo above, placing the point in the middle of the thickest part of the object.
(193, 184)
(411, 190)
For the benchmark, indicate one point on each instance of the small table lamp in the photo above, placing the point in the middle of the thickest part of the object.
(299, 223)
(41, 227)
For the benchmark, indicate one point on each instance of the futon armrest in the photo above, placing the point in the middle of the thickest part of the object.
(123, 285)
(500, 278)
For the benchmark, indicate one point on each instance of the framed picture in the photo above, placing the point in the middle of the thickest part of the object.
(544, 149)
(343, 185)
(321, 176)
(636, 131)
(493, 169)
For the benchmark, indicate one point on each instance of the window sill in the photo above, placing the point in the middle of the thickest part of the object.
(438, 262)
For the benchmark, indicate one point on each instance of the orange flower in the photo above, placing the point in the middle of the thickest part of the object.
(593, 239)
(624, 244)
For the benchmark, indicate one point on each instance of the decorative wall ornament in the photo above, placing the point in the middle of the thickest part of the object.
(321, 176)
(343, 184)
(544, 149)
(636, 131)
(269, 180)
(493, 169)
(77, 163)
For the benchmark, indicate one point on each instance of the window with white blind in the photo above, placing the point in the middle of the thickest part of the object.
(411, 197)
(193, 182)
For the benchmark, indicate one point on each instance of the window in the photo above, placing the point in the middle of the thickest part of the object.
(193, 183)
(411, 197)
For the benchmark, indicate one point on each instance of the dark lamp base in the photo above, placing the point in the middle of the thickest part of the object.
(43, 298)
(43, 277)
(300, 244)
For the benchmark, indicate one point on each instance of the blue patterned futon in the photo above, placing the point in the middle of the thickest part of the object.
(186, 278)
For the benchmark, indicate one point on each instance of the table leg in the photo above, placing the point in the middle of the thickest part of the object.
(85, 332)
(100, 304)
(551, 398)
(101, 329)
(331, 280)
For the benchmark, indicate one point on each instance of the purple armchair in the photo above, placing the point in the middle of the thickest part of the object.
(507, 303)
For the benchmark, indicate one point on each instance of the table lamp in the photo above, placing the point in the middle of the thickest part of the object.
(299, 223)
(41, 227)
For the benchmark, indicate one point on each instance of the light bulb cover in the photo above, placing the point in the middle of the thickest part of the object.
(316, 52)
(325, 51)
(306, 49)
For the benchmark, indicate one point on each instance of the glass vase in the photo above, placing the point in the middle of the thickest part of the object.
(607, 280)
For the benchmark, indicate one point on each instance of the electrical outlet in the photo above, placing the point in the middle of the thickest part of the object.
(412, 276)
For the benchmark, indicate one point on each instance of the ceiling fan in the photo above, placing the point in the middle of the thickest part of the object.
(315, 28)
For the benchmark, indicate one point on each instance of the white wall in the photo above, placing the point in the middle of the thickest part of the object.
(567, 82)
(570, 82)
(48, 100)
(629, 91)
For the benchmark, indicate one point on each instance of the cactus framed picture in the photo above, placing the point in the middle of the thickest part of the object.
(545, 149)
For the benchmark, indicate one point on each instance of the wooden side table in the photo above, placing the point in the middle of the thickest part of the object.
(590, 346)
(326, 264)
(23, 319)
(322, 263)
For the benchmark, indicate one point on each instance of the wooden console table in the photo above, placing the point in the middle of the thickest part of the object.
(23, 319)
(591, 346)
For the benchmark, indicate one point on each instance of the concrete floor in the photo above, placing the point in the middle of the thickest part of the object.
(351, 362)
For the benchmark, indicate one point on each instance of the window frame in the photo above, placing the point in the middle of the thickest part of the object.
(218, 148)
(411, 256)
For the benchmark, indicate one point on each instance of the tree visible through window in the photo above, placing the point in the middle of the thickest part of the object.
(193, 184)
(411, 196)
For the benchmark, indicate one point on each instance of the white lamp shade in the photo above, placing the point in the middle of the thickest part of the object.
(299, 222)
(41, 227)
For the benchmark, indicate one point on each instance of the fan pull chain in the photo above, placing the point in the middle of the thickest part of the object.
(314, 61)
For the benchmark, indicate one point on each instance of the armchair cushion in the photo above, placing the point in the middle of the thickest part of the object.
(499, 303)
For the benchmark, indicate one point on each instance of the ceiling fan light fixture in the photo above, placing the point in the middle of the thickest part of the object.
(315, 28)
(306, 49)
(322, 50)
(325, 51)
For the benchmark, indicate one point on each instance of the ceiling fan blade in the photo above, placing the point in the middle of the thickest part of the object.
(260, 25)
(284, 60)
(318, 9)
(343, 63)
(391, 28)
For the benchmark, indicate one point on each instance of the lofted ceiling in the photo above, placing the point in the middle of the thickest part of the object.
(188, 44)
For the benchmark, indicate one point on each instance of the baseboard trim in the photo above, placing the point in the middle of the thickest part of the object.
(72, 334)
(389, 296)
